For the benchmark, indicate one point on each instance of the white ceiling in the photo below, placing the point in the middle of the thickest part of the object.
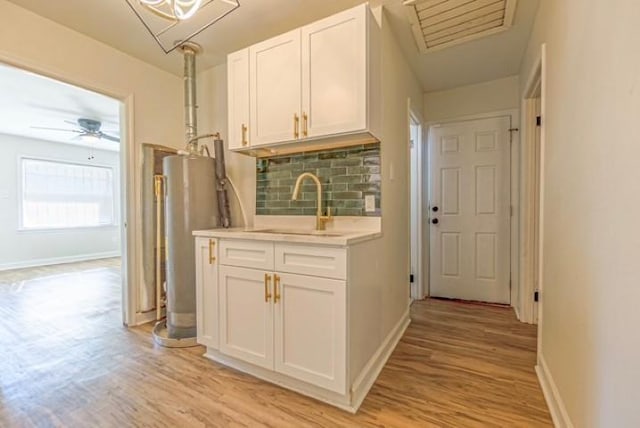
(492, 57)
(114, 23)
(30, 100)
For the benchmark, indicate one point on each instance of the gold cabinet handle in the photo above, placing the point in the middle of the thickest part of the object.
(276, 281)
(212, 258)
(244, 135)
(305, 125)
(267, 282)
(296, 126)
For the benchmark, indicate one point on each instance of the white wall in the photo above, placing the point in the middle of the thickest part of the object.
(399, 85)
(591, 277)
(29, 248)
(38, 44)
(213, 116)
(486, 97)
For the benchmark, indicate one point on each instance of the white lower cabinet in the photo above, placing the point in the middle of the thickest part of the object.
(246, 315)
(254, 306)
(310, 330)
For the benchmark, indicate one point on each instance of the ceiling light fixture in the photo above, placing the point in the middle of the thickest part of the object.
(180, 10)
(172, 23)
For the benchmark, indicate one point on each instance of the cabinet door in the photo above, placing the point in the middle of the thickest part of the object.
(275, 89)
(334, 74)
(246, 315)
(238, 98)
(207, 292)
(310, 330)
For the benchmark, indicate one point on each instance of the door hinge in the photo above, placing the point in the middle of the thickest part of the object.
(411, 278)
(511, 210)
(536, 296)
(538, 120)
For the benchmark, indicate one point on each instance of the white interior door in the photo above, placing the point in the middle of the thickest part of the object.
(470, 210)
(275, 86)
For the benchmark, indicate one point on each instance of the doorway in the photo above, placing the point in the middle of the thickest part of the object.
(532, 196)
(416, 153)
(470, 209)
(62, 188)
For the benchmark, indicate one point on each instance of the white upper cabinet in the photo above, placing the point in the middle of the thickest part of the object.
(334, 74)
(317, 85)
(238, 98)
(275, 89)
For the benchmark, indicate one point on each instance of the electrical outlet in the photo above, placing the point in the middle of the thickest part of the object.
(369, 203)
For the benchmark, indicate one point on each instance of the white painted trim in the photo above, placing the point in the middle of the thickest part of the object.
(58, 260)
(129, 206)
(558, 411)
(370, 372)
(543, 139)
(514, 115)
(536, 78)
(338, 400)
(414, 117)
(146, 317)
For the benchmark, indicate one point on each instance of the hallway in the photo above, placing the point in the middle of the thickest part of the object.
(73, 364)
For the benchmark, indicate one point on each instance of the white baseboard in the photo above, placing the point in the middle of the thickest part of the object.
(552, 396)
(58, 260)
(367, 377)
(352, 399)
(146, 317)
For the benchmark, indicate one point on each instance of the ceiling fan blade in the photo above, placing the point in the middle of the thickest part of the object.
(55, 129)
(109, 137)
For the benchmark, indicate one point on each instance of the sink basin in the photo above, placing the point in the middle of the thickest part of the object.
(297, 232)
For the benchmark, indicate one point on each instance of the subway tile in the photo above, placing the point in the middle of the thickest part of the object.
(347, 195)
(346, 179)
(354, 161)
(371, 160)
(365, 187)
(344, 173)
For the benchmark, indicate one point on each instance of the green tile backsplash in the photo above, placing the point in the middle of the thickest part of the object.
(347, 176)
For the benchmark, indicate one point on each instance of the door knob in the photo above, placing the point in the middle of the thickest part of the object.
(434, 209)
(435, 221)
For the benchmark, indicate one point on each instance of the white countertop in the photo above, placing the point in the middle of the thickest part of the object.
(340, 238)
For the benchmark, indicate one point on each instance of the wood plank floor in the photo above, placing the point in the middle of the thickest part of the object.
(65, 360)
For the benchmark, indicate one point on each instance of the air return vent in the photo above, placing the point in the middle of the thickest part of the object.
(438, 24)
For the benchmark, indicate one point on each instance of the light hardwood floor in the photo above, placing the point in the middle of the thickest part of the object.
(66, 360)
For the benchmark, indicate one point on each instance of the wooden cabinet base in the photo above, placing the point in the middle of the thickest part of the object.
(350, 401)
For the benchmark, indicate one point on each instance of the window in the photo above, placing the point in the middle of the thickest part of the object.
(65, 195)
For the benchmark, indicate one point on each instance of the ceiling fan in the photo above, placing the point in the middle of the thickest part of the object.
(86, 129)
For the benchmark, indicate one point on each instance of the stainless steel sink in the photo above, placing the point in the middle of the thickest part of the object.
(297, 232)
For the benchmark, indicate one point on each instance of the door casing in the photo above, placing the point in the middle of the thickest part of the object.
(514, 115)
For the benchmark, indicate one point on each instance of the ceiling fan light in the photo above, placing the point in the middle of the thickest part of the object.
(89, 138)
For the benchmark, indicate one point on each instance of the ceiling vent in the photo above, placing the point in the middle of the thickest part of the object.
(439, 24)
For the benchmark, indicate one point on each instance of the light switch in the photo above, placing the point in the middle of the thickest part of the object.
(4, 194)
(369, 203)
